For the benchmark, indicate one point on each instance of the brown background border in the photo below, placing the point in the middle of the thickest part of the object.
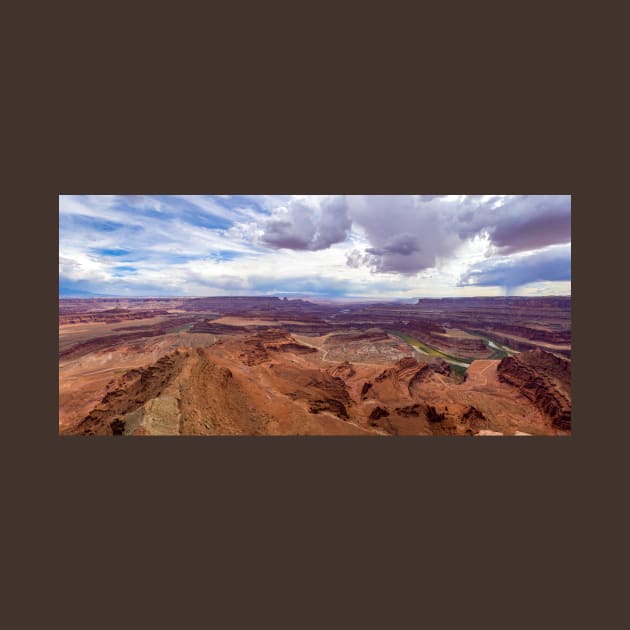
(308, 532)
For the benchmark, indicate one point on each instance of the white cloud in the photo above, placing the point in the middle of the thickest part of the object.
(371, 246)
(308, 223)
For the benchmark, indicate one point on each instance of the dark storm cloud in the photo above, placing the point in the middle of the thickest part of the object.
(519, 223)
(409, 233)
(403, 244)
(551, 264)
(296, 233)
(301, 226)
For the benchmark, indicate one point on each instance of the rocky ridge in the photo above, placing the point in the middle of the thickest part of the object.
(545, 380)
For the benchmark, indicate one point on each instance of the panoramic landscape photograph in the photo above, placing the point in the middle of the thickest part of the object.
(315, 315)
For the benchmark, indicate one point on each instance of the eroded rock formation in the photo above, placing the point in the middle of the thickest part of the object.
(543, 378)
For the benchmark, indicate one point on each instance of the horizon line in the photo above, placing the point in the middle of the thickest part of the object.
(303, 297)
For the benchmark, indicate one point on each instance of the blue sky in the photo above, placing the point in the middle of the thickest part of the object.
(371, 246)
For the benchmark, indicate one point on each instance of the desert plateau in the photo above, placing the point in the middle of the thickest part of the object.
(483, 366)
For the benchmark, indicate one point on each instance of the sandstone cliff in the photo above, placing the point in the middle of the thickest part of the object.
(544, 379)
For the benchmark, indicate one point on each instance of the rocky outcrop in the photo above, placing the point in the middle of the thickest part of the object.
(183, 393)
(131, 391)
(378, 412)
(409, 372)
(328, 393)
(344, 370)
(118, 427)
(414, 419)
(474, 419)
(545, 380)
(379, 419)
(433, 415)
(414, 410)
(404, 370)
(257, 348)
(469, 347)
(329, 404)
(317, 388)
(255, 352)
(367, 386)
